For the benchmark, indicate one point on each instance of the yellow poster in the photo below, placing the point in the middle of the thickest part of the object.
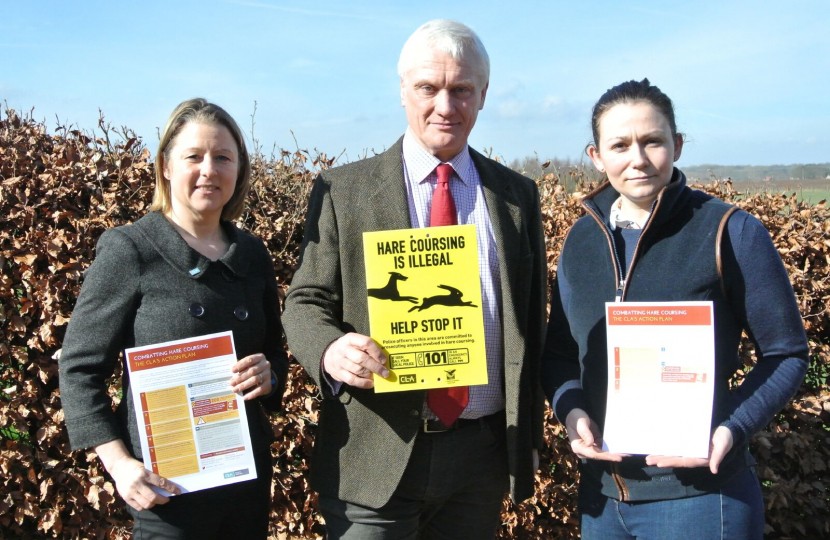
(424, 293)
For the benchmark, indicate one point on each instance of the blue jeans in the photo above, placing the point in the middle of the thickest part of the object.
(736, 511)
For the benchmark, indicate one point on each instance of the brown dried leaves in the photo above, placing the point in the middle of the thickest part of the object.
(58, 193)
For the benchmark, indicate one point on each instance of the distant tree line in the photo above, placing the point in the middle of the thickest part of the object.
(532, 167)
(570, 172)
(772, 173)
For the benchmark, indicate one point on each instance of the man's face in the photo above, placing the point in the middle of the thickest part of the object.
(442, 97)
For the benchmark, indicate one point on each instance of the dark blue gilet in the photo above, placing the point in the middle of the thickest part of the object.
(675, 260)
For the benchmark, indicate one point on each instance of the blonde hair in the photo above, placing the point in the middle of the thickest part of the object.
(201, 111)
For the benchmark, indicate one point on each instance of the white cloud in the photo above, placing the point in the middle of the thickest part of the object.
(511, 89)
(511, 108)
(551, 102)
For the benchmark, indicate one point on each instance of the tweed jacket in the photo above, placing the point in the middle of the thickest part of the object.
(147, 286)
(364, 439)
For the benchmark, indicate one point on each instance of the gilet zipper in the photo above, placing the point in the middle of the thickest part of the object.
(621, 288)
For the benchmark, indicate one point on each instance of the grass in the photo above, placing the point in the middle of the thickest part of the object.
(810, 191)
(813, 196)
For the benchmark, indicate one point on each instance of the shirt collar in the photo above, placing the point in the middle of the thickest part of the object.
(420, 163)
(616, 219)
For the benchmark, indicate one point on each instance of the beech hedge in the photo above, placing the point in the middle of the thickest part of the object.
(60, 191)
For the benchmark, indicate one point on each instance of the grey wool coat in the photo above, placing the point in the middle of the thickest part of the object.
(364, 439)
(147, 286)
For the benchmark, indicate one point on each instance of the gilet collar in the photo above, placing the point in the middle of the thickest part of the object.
(669, 198)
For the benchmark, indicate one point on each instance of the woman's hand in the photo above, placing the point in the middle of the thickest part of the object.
(721, 444)
(252, 373)
(586, 441)
(132, 480)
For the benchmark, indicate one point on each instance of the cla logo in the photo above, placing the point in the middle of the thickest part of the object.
(407, 379)
(450, 374)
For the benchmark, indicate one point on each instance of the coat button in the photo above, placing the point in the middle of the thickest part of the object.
(196, 309)
(227, 274)
(241, 313)
(414, 412)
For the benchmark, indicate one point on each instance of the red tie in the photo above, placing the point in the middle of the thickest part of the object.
(443, 207)
(446, 403)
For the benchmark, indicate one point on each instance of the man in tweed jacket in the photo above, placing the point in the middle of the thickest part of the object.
(384, 466)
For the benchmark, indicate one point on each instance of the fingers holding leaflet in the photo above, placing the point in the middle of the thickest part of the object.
(720, 445)
(675, 461)
(134, 484)
(353, 358)
(586, 441)
(252, 376)
(583, 430)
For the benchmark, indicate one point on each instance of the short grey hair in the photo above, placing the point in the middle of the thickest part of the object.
(449, 37)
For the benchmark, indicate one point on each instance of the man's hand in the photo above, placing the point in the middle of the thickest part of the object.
(721, 444)
(353, 358)
(132, 480)
(586, 441)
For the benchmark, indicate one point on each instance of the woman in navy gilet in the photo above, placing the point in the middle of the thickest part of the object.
(648, 237)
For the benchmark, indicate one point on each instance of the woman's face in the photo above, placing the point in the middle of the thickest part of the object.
(636, 150)
(202, 169)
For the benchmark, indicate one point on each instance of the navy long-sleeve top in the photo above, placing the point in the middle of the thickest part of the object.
(763, 298)
(760, 298)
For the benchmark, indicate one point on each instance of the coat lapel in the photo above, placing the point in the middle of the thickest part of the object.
(387, 203)
(505, 216)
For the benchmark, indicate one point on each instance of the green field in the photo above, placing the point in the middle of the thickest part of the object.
(811, 191)
(815, 196)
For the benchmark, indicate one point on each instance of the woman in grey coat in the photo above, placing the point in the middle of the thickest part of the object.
(183, 270)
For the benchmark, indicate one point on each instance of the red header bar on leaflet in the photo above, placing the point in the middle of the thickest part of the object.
(179, 354)
(620, 315)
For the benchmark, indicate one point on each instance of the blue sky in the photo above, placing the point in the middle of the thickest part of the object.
(750, 80)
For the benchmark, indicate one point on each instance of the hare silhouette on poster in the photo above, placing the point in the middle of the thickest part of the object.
(453, 299)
